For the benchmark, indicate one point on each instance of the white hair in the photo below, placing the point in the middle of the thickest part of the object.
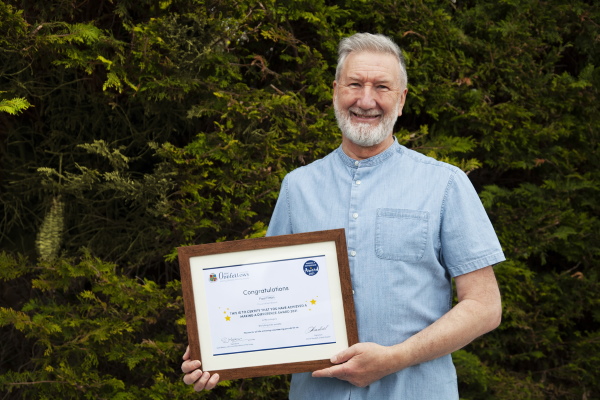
(375, 43)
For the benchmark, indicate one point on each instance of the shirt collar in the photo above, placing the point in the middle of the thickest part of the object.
(371, 161)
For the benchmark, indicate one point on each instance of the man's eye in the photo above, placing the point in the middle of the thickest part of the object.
(382, 87)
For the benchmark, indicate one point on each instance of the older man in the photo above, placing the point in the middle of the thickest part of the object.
(412, 224)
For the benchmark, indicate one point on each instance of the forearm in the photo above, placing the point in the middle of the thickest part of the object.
(465, 322)
(478, 311)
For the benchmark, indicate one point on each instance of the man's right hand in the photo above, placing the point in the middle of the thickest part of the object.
(195, 376)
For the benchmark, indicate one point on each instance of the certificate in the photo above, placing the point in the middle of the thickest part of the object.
(268, 306)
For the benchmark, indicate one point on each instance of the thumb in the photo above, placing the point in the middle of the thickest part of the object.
(343, 355)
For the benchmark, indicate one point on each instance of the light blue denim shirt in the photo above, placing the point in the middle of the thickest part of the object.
(411, 224)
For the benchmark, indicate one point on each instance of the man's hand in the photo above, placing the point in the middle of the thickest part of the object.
(361, 364)
(195, 376)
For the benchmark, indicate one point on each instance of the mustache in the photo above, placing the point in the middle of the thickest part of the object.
(366, 113)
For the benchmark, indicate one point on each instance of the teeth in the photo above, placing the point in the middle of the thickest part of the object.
(365, 115)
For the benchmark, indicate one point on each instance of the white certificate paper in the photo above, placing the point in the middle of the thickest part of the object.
(269, 305)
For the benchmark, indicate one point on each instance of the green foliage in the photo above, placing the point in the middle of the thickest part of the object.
(132, 128)
(114, 342)
(51, 231)
(14, 106)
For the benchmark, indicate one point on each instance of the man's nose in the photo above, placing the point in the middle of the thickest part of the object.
(366, 99)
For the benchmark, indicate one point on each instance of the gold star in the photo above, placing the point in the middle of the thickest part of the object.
(313, 302)
(228, 318)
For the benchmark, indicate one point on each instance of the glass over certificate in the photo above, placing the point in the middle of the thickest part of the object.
(268, 306)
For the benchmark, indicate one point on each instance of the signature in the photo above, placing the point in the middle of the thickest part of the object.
(316, 328)
(231, 340)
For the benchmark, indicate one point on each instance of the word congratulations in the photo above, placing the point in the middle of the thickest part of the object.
(266, 290)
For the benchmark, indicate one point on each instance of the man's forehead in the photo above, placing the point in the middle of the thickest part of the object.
(372, 65)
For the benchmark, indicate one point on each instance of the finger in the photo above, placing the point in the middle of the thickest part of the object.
(331, 372)
(212, 382)
(190, 365)
(192, 377)
(203, 382)
(186, 355)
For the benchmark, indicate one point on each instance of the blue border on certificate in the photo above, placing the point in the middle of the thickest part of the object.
(264, 262)
(274, 348)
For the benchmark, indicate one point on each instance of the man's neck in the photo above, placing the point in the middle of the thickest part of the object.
(357, 152)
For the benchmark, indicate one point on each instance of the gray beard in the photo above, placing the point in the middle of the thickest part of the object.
(365, 135)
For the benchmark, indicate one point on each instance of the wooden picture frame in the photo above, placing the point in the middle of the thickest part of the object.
(274, 335)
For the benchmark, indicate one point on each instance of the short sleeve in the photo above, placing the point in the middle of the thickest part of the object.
(468, 239)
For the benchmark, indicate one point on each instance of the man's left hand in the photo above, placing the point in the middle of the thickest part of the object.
(360, 364)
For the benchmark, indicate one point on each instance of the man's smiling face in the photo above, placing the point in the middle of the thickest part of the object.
(368, 98)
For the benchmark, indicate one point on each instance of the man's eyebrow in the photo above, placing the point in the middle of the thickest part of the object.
(378, 81)
(353, 78)
(385, 82)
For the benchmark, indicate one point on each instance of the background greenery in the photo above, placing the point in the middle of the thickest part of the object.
(128, 128)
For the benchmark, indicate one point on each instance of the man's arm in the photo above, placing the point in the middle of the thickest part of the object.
(479, 310)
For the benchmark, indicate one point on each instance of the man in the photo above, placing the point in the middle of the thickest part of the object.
(412, 224)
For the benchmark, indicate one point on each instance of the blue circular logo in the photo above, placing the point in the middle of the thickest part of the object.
(311, 268)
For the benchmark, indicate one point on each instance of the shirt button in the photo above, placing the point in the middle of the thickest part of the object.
(355, 215)
(358, 182)
(356, 163)
(352, 253)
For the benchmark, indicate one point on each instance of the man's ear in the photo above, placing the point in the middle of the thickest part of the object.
(335, 84)
(402, 101)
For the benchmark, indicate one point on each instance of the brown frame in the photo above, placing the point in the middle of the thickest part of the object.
(337, 236)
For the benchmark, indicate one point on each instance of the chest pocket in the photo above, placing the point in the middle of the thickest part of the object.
(401, 235)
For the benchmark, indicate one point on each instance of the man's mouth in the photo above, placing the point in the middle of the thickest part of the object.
(365, 115)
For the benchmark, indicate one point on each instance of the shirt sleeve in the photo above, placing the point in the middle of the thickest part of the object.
(281, 223)
(468, 239)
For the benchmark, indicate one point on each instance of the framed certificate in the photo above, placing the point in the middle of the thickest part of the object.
(268, 306)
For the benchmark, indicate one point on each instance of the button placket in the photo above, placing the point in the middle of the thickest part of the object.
(353, 211)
